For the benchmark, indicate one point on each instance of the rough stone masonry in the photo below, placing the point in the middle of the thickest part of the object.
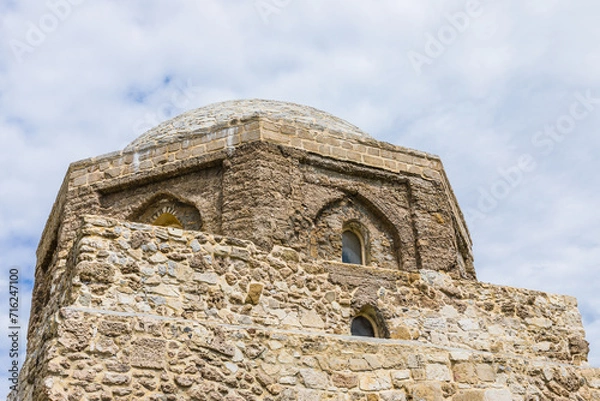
(205, 262)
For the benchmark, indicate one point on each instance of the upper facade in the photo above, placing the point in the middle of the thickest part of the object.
(279, 173)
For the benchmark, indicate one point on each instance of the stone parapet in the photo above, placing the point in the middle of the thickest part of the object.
(136, 268)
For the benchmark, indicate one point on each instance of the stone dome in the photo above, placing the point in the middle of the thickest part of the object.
(206, 119)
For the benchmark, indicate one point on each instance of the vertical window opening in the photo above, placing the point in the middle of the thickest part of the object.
(352, 251)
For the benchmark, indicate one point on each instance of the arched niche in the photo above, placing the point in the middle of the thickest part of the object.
(167, 211)
(364, 223)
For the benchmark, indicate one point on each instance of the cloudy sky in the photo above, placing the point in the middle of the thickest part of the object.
(506, 92)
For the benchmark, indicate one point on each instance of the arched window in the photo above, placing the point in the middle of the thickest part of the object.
(352, 248)
(361, 326)
(166, 210)
(369, 322)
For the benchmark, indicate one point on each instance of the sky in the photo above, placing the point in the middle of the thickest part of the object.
(506, 92)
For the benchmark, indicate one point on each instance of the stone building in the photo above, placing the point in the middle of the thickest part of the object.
(261, 250)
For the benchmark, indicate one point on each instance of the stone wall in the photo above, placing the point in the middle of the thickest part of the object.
(103, 355)
(165, 314)
(137, 268)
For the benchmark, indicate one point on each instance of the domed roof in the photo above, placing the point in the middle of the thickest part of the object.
(223, 114)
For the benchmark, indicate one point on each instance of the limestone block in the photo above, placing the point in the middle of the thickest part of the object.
(468, 324)
(375, 381)
(437, 372)
(426, 392)
(290, 380)
(315, 379)
(254, 293)
(399, 377)
(208, 278)
(165, 290)
(470, 395)
(393, 395)
(498, 395)
(401, 333)
(158, 257)
(311, 319)
(344, 380)
(115, 378)
(358, 364)
(148, 353)
(291, 320)
(307, 395)
(485, 372)
(464, 372)
(449, 312)
(96, 272)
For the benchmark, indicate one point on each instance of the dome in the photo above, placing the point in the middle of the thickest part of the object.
(223, 114)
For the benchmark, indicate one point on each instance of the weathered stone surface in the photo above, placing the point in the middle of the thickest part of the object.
(97, 272)
(147, 347)
(437, 372)
(426, 392)
(314, 379)
(470, 395)
(375, 381)
(254, 293)
(148, 353)
(311, 319)
(344, 380)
